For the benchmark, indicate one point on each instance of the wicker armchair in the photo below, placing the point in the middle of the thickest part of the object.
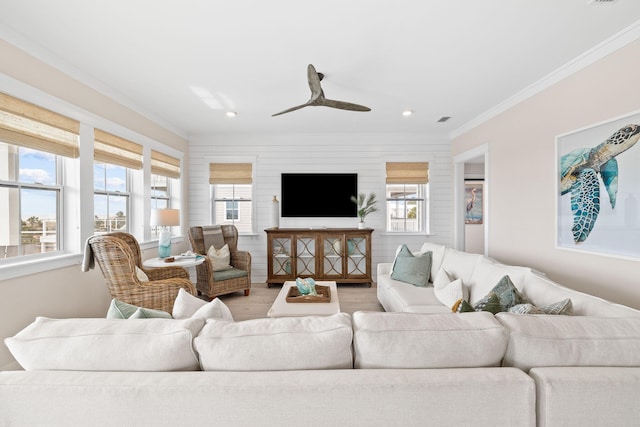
(214, 283)
(118, 254)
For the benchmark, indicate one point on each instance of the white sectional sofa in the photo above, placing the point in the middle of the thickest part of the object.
(584, 366)
(403, 368)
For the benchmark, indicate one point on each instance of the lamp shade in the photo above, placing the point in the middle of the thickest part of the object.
(165, 217)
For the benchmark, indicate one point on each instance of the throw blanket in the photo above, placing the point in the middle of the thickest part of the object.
(88, 262)
(212, 237)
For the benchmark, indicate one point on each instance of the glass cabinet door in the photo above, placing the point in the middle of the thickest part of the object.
(357, 256)
(305, 256)
(332, 256)
(281, 257)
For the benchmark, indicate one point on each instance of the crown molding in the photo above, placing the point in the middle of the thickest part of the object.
(599, 51)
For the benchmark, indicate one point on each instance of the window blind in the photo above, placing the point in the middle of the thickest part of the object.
(407, 172)
(230, 173)
(31, 126)
(165, 165)
(114, 150)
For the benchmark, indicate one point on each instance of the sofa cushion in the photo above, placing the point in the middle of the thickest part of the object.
(408, 268)
(279, 344)
(187, 305)
(447, 289)
(106, 344)
(438, 253)
(414, 341)
(460, 265)
(547, 340)
(543, 291)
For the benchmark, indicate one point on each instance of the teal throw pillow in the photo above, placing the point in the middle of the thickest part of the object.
(411, 269)
(508, 294)
(122, 310)
(149, 313)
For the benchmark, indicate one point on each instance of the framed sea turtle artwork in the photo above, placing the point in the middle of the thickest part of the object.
(598, 188)
(473, 201)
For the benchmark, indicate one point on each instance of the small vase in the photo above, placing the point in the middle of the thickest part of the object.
(275, 213)
(361, 225)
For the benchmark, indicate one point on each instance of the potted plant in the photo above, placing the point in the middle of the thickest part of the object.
(366, 205)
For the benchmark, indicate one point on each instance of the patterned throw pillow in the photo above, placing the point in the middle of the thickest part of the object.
(564, 307)
(490, 303)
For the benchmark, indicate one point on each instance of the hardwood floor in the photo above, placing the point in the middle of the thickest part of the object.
(352, 298)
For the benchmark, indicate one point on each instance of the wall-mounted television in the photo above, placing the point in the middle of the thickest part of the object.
(322, 195)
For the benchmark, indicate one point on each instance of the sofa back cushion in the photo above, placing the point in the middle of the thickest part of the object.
(548, 340)
(437, 256)
(542, 291)
(279, 344)
(107, 344)
(460, 265)
(416, 341)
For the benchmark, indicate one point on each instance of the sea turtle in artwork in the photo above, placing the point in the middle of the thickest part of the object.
(579, 174)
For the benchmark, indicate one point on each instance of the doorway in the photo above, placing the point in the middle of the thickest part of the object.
(470, 191)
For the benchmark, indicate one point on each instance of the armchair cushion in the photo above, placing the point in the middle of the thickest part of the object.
(232, 273)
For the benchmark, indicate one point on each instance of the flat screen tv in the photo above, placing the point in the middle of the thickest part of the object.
(322, 195)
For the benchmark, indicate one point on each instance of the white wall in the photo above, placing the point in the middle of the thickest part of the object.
(362, 153)
(522, 176)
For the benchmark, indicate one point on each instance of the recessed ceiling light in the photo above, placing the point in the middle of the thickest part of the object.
(231, 114)
(407, 113)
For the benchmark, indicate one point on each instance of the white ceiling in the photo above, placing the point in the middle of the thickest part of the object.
(187, 62)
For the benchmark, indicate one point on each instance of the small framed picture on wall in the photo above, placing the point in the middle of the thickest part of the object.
(473, 201)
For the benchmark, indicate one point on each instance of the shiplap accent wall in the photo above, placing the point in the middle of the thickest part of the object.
(364, 154)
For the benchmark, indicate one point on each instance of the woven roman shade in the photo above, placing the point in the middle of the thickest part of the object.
(31, 126)
(162, 164)
(114, 150)
(230, 173)
(407, 172)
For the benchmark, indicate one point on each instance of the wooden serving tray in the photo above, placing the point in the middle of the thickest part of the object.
(324, 295)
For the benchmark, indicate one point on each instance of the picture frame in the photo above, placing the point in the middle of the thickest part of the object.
(474, 201)
(598, 200)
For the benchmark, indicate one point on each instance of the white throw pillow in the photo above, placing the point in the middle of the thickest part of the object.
(279, 344)
(141, 275)
(220, 258)
(107, 345)
(189, 306)
(448, 290)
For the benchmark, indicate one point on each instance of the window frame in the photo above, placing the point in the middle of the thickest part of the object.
(422, 213)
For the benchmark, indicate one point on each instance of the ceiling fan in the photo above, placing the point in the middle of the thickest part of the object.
(317, 96)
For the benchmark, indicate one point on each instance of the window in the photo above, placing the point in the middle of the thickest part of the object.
(406, 193)
(231, 195)
(34, 143)
(114, 157)
(110, 198)
(164, 170)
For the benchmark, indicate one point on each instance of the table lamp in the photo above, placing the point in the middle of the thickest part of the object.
(164, 218)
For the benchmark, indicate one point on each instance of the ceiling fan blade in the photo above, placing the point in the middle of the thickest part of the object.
(297, 107)
(314, 82)
(343, 105)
